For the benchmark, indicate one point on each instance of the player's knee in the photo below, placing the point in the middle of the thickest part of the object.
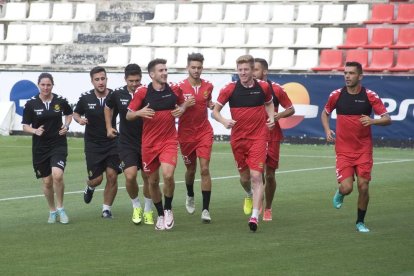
(205, 171)
(346, 190)
(363, 186)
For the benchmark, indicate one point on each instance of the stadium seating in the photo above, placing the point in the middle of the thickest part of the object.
(381, 60)
(258, 37)
(15, 11)
(40, 55)
(230, 57)
(141, 56)
(381, 38)
(212, 13)
(1, 53)
(332, 14)
(187, 36)
(331, 37)
(15, 55)
(355, 37)
(405, 39)
(39, 12)
(140, 35)
(282, 13)
(381, 13)
(62, 34)
(329, 60)
(165, 53)
(1, 32)
(235, 13)
(16, 33)
(85, 12)
(39, 34)
(258, 13)
(306, 59)
(260, 53)
(360, 56)
(62, 12)
(117, 57)
(234, 37)
(306, 37)
(307, 13)
(212, 57)
(405, 14)
(163, 13)
(182, 54)
(211, 36)
(282, 37)
(356, 13)
(163, 35)
(405, 61)
(187, 13)
(282, 59)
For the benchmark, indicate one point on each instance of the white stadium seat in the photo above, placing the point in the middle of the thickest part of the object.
(140, 35)
(306, 59)
(85, 12)
(39, 12)
(306, 37)
(16, 55)
(212, 57)
(163, 36)
(163, 13)
(307, 14)
(234, 36)
(187, 13)
(62, 12)
(141, 56)
(282, 59)
(332, 14)
(182, 54)
(230, 57)
(211, 36)
(283, 37)
(283, 13)
(212, 13)
(39, 34)
(15, 11)
(235, 13)
(187, 36)
(356, 13)
(258, 13)
(260, 53)
(331, 37)
(117, 57)
(16, 33)
(167, 53)
(62, 34)
(40, 55)
(258, 37)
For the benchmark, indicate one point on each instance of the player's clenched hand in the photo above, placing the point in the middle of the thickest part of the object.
(211, 105)
(277, 116)
(270, 123)
(330, 136)
(112, 133)
(39, 131)
(63, 130)
(229, 123)
(83, 121)
(190, 101)
(365, 120)
(146, 112)
(177, 112)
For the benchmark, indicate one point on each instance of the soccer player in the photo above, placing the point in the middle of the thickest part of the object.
(276, 135)
(353, 144)
(158, 105)
(129, 144)
(42, 117)
(195, 133)
(100, 151)
(252, 113)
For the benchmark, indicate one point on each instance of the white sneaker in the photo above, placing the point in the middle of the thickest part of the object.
(168, 219)
(190, 204)
(160, 223)
(63, 218)
(205, 216)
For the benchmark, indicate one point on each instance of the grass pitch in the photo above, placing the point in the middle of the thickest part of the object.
(306, 237)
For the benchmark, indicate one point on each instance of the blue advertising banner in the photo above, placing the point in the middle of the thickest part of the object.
(309, 94)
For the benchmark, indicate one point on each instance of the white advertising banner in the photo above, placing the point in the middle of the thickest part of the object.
(18, 87)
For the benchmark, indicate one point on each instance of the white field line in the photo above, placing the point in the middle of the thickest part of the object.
(218, 178)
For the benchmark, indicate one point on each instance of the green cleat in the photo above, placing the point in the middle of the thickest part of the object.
(338, 199)
(137, 215)
(248, 205)
(148, 218)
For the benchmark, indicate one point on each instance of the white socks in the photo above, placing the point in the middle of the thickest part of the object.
(148, 204)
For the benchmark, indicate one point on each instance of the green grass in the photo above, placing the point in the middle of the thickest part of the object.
(306, 237)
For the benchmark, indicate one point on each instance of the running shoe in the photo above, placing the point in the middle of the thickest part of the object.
(106, 214)
(267, 215)
(337, 200)
(205, 216)
(63, 218)
(87, 194)
(137, 215)
(248, 205)
(360, 227)
(160, 223)
(148, 218)
(190, 204)
(253, 224)
(52, 217)
(168, 219)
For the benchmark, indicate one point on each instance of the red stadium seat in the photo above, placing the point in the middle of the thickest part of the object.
(381, 60)
(405, 61)
(381, 38)
(405, 39)
(405, 14)
(355, 37)
(360, 56)
(381, 13)
(329, 60)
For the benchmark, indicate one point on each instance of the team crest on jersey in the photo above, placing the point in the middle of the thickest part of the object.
(205, 94)
(56, 108)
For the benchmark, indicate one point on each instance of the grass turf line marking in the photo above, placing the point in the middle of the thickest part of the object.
(214, 178)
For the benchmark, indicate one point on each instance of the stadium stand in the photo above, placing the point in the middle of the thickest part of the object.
(62, 34)
(212, 57)
(39, 34)
(212, 13)
(282, 59)
(332, 14)
(405, 14)
(355, 37)
(360, 56)
(307, 13)
(165, 53)
(15, 55)
(163, 35)
(305, 59)
(282, 14)
(258, 37)
(16, 33)
(140, 35)
(306, 37)
(381, 38)
(235, 13)
(331, 37)
(283, 37)
(141, 56)
(405, 61)
(230, 56)
(405, 39)
(356, 14)
(15, 11)
(329, 60)
(381, 60)
(260, 53)
(187, 13)
(62, 12)
(1, 53)
(182, 54)
(258, 13)
(234, 37)
(211, 36)
(187, 36)
(39, 11)
(39, 55)
(381, 13)
(1, 32)
(117, 57)
(163, 13)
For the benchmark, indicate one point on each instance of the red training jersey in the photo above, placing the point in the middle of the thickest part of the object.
(351, 135)
(161, 127)
(194, 123)
(247, 109)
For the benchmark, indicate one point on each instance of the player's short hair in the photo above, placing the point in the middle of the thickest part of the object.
(132, 70)
(45, 76)
(355, 64)
(155, 62)
(195, 57)
(262, 62)
(97, 69)
(245, 59)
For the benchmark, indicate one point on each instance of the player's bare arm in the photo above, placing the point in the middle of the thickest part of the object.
(179, 110)
(385, 120)
(330, 134)
(284, 114)
(110, 131)
(80, 120)
(227, 123)
(65, 127)
(270, 110)
(145, 112)
(36, 131)
(211, 105)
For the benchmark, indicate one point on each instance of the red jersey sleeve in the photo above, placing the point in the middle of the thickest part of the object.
(267, 91)
(225, 93)
(210, 88)
(331, 104)
(138, 98)
(376, 103)
(178, 92)
(282, 96)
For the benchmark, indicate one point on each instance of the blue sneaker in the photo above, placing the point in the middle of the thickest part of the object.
(52, 217)
(338, 199)
(360, 227)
